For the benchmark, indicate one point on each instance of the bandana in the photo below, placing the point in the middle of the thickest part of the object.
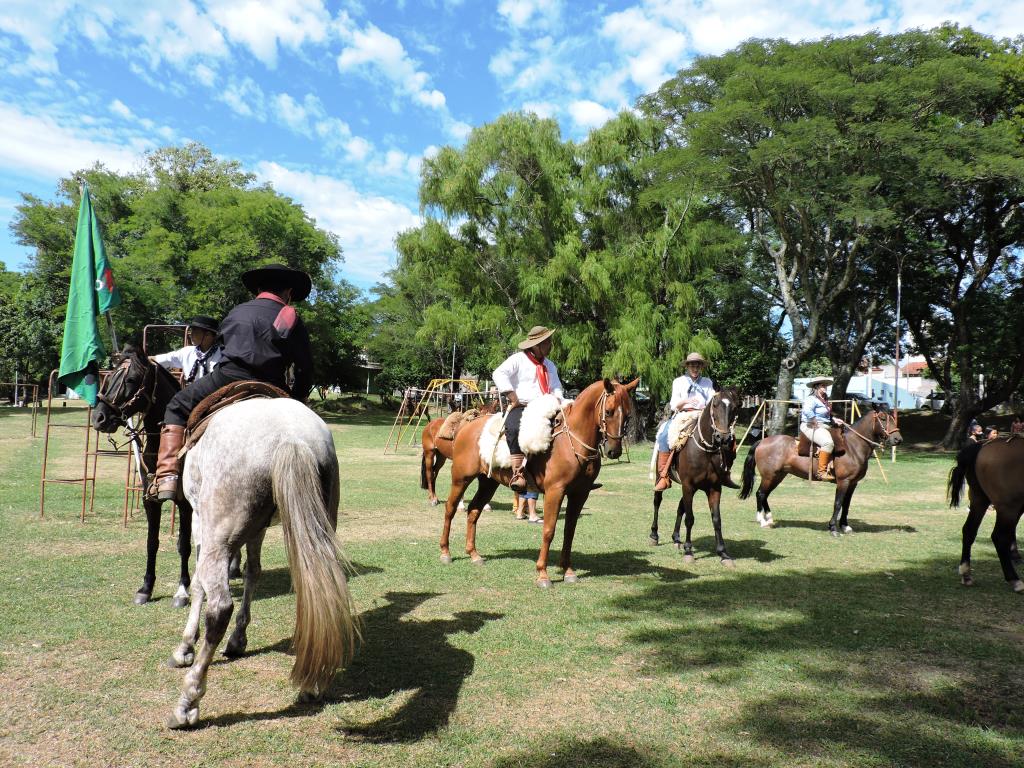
(202, 359)
(542, 373)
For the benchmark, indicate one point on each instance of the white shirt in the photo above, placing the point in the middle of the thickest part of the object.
(519, 374)
(185, 359)
(691, 395)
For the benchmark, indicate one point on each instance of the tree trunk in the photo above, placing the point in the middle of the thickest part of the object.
(783, 391)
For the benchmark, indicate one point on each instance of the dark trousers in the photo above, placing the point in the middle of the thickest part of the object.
(515, 415)
(183, 403)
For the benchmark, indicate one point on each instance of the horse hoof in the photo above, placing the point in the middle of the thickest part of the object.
(141, 598)
(180, 601)
(179, 660)
(186, 719)
(234, 650)
(728, 562)
(847, 529)
(967, 580)
(653, 541)
(570, 578)
(446, 559)
(835, 534)
(765, 524)
(434, 502)
(544, 583)
(678, 544)
(477, 560)
(1017, 586)
(688, 558)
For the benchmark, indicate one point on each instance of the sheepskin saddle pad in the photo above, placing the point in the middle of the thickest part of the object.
(534, 432)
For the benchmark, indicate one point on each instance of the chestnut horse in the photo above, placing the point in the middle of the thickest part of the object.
(776, 456)
(437, 450)
(702, 465)
(993, 474)
(567, 470)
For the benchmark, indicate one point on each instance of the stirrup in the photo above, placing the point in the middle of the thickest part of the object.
(518, 482)
(163, 489)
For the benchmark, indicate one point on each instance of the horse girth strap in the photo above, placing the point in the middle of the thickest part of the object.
(235, 392)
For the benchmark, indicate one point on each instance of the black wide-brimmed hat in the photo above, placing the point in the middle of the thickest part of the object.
(278, 276)
(205, 322)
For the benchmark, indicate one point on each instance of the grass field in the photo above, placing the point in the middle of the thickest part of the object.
(862, 651)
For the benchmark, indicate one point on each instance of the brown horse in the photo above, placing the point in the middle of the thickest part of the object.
(993, 473)
(567, 470)
(776, 456)
(702, 465)
(437, 450)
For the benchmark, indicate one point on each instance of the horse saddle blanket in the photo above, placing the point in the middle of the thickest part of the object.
(681, 427)
(536, 431)
(455, 420)
(803, 447)
(229, 394)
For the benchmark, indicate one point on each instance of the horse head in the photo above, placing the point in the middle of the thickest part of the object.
(125, 392)
(722, 411)
(614, 406)
(884, 428)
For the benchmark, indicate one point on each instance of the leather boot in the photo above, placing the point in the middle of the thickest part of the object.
(518, 482)
(165, 484)
(823, 470)
(664, 464)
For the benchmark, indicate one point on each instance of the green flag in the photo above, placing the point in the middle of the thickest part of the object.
(92, 291)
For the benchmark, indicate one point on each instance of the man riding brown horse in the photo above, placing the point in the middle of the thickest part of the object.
(262, 338)
(816, 421)
(523, 377)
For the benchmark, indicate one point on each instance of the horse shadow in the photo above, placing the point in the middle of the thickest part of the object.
(625, 562)
(859, 526)
(275, 582)
(739, 549)
(410, 655)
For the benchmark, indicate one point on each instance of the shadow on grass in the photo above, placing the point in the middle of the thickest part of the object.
(275, 582)
(902, 667)
(408, 655)
(622, 563)
(859, 526)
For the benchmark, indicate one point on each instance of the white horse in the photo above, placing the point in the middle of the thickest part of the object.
(259, 459)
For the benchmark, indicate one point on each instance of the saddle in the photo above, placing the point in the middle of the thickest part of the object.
(803, 447)
(232, 393)
(454, 422)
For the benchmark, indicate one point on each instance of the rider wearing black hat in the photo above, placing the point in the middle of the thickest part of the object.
(198, 358)
(261, 339)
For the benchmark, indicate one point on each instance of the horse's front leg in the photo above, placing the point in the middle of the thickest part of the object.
(714, 504)
(184, 553)
(253, 568)
(145, 592)
(686, 509)
(485, 489)
(837, 509)
(844, 523)
(212, 573)
(458, 488)
(1002, 536)
(573, 508)
(658, 496)
(552, 504)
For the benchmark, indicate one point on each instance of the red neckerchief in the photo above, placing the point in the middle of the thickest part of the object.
(824, 399)
(271, 296)
(285, 320)
(542, 373)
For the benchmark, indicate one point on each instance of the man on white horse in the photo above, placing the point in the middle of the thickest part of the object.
(690, 393)
(523, 377)
(262, 338)
(815, 419)
(199, 358)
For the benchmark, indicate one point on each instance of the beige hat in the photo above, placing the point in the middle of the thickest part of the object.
(696, 357)
(826, 380)
(536, 335)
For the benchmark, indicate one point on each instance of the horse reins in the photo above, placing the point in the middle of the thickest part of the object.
(117, 379)
(886, 432)
(602, 425)
(704, 443)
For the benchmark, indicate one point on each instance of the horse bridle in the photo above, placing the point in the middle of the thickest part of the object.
(706, 445)
(602, 428)
(882, 425)
(116, 383)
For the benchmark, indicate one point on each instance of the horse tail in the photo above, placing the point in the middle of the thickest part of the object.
(654, 462)
(965, 461)
(748, 471)
(326, 628)
(423, 468)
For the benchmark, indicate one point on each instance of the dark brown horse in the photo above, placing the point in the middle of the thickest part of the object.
(702, 465)
(437, 450)
(993, 474)
(139, 386)
(776, 456)
(568, 470)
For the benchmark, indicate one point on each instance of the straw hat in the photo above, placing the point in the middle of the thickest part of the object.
(536, 335)
(696, 357)
(816, 380)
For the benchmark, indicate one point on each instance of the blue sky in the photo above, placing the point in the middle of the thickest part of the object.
(336, 103)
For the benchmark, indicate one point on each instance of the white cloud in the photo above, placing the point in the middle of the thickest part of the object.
(377, 50)
(245, 97)
(366, 225)
(540, 108)
(589, 114)
(121, 109)
(654, 50)
(204, 75)
(263, 25)
(38, 146)
(519, 13)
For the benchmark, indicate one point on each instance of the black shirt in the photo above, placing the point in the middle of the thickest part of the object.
(262, 338)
